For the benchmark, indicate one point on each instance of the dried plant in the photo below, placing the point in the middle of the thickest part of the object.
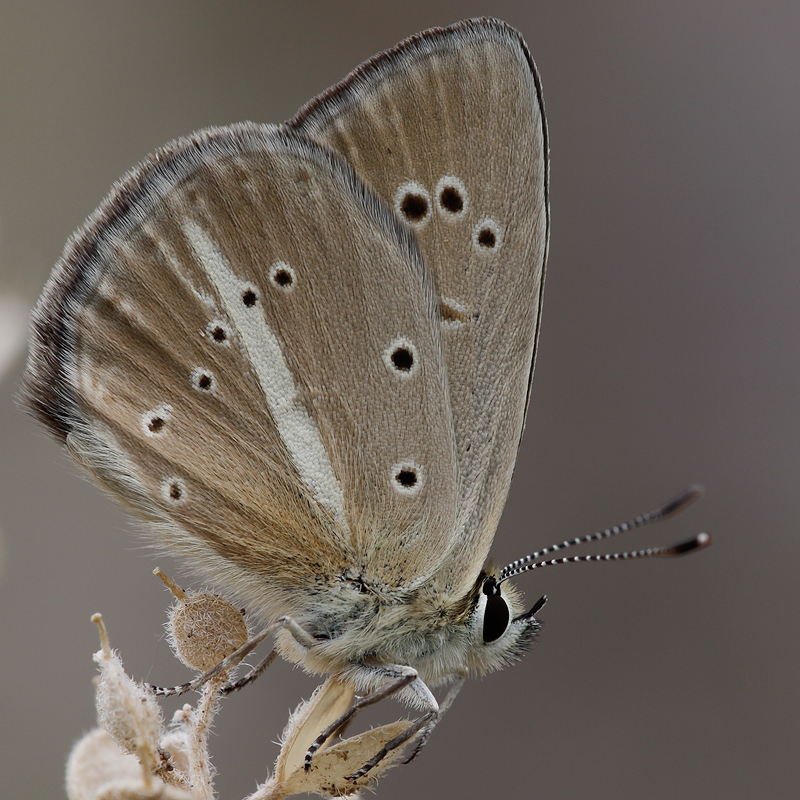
(134, 755)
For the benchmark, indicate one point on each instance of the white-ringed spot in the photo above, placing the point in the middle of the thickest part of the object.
(203, 379)
(173, 490)
(487, 236)
(451, 198)
(262, 348)
(401, 358)
(249, 295)
(154, 422)
(282, 277)
(412, 203)
(407, 478)
(219, 332)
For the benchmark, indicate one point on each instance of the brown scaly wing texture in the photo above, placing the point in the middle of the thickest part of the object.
(225, 345)
(448, 127)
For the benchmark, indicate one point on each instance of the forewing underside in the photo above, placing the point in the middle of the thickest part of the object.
(453, 119)
(225, 327)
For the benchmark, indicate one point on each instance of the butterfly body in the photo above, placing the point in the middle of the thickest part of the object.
(302, 354)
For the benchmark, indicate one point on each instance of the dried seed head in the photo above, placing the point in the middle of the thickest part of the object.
(125, 709)
(332, 766)
(98, 770)
(133, 790)
(204, 629)
(328, 703)
(95, 761)
(176, 743)
(333, 763)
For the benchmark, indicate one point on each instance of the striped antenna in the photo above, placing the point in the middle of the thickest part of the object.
(668, 509)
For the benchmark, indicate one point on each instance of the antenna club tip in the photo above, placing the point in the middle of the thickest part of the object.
(690, 545)
(692, 493)
(684, 499)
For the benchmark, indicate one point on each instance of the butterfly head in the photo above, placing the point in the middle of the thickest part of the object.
(500, 629)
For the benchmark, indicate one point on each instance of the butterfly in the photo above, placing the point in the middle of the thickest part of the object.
(302, 354)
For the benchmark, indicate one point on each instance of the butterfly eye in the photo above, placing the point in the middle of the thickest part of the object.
(496, 613)
(495, 618)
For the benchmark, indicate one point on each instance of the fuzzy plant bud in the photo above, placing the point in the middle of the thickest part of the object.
(333, 764)
(330, 773)
(136, 790)
(127, 710)
(176, 744)
(98, 770)
(95, 761)
(203, 628)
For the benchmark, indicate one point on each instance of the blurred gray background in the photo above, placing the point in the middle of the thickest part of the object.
(669, 354)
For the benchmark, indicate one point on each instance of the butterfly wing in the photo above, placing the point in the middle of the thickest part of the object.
(241, 343)
(448, 127)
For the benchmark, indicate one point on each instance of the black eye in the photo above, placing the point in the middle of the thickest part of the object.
(496, 617)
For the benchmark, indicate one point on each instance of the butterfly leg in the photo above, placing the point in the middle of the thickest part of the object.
(422, 729)
(426, 732)
(300, 636)
(402, 676)
(422, 724)
(254, 673)
(236, 656)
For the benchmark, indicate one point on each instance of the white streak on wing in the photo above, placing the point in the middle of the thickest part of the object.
(297, 429)
(160, 241)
